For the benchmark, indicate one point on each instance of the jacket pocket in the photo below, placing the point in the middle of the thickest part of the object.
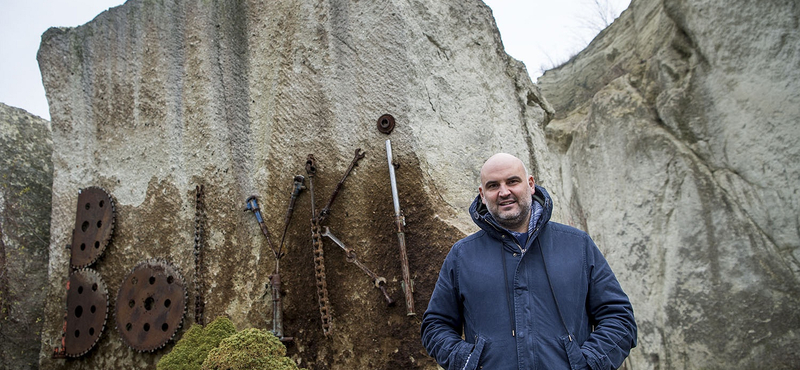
(574, 354)
(475, 356)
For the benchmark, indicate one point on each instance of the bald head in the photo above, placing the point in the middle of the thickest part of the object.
(506, 190)
(502, 160)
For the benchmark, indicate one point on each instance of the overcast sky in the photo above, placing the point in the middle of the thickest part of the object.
(541, 33)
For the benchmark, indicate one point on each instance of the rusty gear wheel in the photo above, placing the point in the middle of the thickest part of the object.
(94, 226)
(87, 311)
(151, 304)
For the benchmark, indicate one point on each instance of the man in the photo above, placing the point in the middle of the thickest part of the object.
(525, 292)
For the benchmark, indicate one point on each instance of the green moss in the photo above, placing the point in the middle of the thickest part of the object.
(249, 349)
(190, 352)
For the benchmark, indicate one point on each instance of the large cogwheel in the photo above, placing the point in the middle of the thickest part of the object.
(87, 311)
(94, 226)
(150, 306)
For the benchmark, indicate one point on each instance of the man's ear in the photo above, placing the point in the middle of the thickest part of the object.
(480, 192)
(532, 184)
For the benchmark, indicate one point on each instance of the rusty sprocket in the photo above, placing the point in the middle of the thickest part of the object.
(94, 226)
(87, 311)
(150, 306)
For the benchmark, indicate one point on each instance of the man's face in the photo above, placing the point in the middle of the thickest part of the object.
(506, 191)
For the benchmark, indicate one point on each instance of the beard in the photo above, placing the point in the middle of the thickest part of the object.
(514, 218)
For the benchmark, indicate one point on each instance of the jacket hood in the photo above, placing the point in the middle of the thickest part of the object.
(481, 216)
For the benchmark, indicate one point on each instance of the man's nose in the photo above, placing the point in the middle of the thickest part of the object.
(504, 192)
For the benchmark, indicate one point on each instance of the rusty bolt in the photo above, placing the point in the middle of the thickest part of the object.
(386, 123)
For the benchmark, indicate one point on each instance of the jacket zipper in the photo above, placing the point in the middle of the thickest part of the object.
(511, 314)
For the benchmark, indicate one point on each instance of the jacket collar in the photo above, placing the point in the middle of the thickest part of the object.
(481, 216)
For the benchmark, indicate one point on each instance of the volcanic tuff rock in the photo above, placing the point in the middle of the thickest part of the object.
(153, 98)
(26, 175)
(677, 130)
(672, 142)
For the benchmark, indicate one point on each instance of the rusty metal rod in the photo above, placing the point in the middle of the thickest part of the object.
(378, 281)
(299, 184)
(252, 205)
(323, 214)
(400, 221)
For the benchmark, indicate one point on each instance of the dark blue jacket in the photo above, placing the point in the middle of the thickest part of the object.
(556, 289)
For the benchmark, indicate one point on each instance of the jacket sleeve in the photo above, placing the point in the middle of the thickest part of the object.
(442, 323)
(611, 313)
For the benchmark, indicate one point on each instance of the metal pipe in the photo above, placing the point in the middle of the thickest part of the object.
(392, 177)
(400, 221)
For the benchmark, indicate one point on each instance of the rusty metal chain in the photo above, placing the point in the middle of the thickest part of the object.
(199, 238)
(316, 236)
(319, 254)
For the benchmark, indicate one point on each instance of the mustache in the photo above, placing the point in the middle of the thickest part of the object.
(508, 198)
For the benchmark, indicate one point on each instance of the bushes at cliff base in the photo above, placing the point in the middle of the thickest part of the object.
(254, 349)
(190, 352)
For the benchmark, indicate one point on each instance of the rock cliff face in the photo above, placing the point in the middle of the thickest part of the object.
(677, 132)
(671, 141)
(153, 98)
(27, 175)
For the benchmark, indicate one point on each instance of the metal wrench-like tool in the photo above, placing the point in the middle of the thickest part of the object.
(380, 282)
(275, 278)
(327, 210)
